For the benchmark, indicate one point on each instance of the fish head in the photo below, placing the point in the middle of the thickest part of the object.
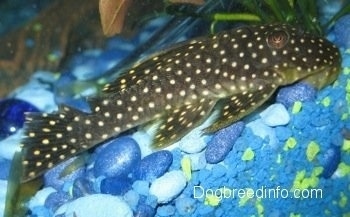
(296, 55)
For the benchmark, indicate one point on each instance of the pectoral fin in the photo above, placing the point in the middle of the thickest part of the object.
(239, 105)
(180, 121)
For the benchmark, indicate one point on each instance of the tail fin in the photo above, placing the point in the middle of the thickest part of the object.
(51, 139)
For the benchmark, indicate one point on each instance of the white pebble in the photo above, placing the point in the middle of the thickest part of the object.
(259, 128)
(40, 197)
(168, 186)
(3, 190)
(97, 205)
(193, 142)
(196, 141)
(275, 115)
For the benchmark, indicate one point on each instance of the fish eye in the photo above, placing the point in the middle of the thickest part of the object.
(277, 39)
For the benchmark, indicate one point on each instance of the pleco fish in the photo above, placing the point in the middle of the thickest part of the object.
(233, 71)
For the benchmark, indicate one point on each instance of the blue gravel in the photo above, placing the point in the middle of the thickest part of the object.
(144, 210)
(166, 210)
(283, 133)
(185, 205)
(141, 187)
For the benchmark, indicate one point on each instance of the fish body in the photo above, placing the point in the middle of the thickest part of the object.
(233, 71)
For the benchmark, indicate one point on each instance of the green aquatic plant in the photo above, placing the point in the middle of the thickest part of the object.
(296, 12)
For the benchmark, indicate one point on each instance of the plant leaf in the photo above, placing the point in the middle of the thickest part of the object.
(112, 14)
(194, 2)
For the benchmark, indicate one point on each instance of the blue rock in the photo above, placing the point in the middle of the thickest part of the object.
(132, 198)
(177, 157)
(166, 210)
(141, 187)
(330, 161)
(222, 142)
(40, 211)
(299, 92)
(342, 32)
(115, 185)
(56, 199)
(82, 187)
(185, 205)
(144, 210)
(12, 115)
(118, 158)
(151, 200)
(153, 165)
(56, 176)
(5, 166)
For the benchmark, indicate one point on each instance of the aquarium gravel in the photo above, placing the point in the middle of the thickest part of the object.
(299, 144)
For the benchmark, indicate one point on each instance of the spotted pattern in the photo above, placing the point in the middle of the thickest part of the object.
(234, 72)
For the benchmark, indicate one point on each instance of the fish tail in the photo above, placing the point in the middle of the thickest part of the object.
(51, 139)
